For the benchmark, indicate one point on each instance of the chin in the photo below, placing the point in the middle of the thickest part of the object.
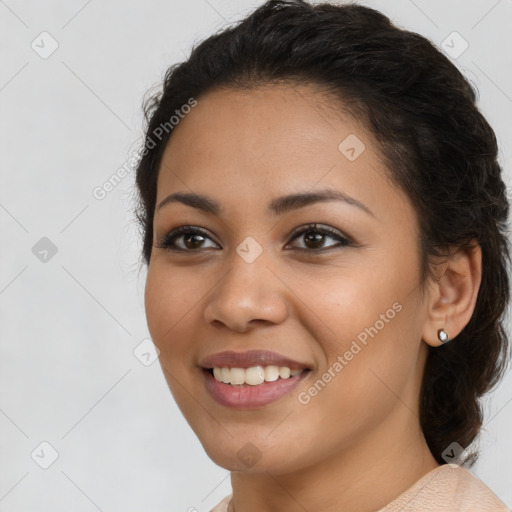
(252, 453)
(248, 459)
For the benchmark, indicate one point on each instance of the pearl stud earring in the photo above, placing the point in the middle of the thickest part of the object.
(443, 336)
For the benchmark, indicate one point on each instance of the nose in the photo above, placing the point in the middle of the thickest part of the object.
(247, 295)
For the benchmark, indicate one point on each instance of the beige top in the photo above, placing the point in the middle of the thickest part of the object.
(447, 488)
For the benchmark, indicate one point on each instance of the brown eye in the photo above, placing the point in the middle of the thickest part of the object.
(191, 238)
(315, 237)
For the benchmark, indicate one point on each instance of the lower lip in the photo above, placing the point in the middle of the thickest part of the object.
(247, 396)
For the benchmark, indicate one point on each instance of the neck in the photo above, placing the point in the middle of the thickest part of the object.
(367, 476)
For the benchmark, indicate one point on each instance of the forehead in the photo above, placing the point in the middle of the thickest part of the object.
(243, 146)
(271, 123)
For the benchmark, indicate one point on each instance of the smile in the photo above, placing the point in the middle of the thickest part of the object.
(253, 376)
(252, 379)
(247, 396)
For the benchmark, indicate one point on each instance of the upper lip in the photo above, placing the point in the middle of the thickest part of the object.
(249, 359)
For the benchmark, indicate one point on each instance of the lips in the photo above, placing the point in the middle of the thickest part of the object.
(248, 359)
(235, 391)
(250, 397)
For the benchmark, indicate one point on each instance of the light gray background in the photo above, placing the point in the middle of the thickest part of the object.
(69, 326)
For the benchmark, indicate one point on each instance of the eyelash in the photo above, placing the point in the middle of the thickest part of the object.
(168, 240)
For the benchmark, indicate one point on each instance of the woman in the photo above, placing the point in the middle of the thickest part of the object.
(324, 220)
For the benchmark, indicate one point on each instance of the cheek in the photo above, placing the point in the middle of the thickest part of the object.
(368, 334)
(156, 302)
(169, 297)
(350, 305)
(172, 302)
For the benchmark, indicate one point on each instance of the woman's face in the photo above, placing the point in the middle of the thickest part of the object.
(343, 306)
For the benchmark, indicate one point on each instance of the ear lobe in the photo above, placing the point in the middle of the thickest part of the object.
(453, 295)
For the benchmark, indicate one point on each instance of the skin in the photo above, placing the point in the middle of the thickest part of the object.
(357, 444)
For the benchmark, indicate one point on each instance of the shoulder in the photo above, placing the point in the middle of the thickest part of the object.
(475, 495)
(446, 488)
(222, 506)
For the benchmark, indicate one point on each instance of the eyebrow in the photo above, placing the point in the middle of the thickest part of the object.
(278, 206)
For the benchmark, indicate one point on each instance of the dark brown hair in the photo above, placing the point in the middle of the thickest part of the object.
(438, 148)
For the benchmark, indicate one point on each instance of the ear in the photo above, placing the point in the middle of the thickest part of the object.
(453, 294)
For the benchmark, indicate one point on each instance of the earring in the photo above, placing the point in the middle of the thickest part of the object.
(443, 336)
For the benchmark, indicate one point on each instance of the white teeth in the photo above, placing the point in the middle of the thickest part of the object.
(226, 375)
(237, 375)
(284, 372)
(253, 376)
(271, 373)
(217, 373)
